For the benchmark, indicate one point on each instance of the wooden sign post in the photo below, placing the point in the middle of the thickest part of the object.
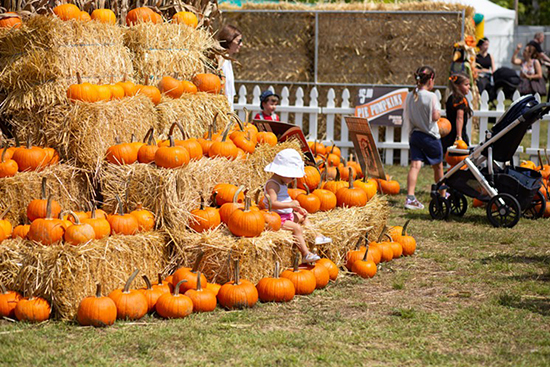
(365, 147)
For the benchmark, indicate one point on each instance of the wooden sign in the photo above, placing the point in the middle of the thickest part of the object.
(381, 105)
(285, 131)
(365, 147)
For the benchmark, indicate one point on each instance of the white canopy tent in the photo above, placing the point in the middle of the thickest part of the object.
(499, 28)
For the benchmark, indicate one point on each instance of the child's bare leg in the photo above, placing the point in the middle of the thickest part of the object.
(438, 174)
(298, 233)
(413, 176)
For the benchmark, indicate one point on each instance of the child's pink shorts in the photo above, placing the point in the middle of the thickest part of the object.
(285, 217)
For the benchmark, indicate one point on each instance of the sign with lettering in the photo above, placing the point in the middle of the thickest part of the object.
(381, 105)
(365, 147)
(285, 131)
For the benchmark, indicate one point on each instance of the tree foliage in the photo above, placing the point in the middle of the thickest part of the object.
(530, 12)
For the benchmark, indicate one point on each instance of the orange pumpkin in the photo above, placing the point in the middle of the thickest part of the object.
(67, 11)
(186, 17)
(10, 20)
(275, 289)
(47, 230)
(130, 304)
(207, 82)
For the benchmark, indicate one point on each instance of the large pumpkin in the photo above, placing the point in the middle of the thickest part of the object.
(175, 305)
(67, 11)
(275, 289)
(100, 224)
(304, 281)
(130, 304)
(246, 222)
(239, 293)
(32, 309)
(207, 82)
(444, 126)
(204, 300)
(190, 275)
(97, 311)
(121, 223)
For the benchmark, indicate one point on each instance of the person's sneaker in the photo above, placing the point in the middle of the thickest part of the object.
(413, 204)
(311, 257)
(321, 240)
(447, 195)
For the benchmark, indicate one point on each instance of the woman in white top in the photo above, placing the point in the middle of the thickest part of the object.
(230, 38)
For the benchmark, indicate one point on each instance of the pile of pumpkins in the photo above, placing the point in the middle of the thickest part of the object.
(135, 16)
(173, 153)
(329, 159)
(363, 261)
(187, 290)
(171, 87)
(25, 158)
(49, 224)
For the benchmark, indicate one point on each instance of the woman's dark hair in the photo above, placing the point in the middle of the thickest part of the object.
(534, 54)
(456, 80)
(482, 41)
(422, 76)
(227, 34)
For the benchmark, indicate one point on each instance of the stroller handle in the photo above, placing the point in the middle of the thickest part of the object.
(536, 112)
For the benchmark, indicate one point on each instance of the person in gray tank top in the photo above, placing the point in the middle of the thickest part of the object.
(421, 112)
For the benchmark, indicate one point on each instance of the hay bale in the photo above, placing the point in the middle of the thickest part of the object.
(64, 274)
(257, 255)
(194, 111)
(82, 132)
(168, 49)
(372, 48)
(69, 186)
(46, 52)
(172, 193)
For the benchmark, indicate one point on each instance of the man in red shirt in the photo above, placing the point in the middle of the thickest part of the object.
(268, 103)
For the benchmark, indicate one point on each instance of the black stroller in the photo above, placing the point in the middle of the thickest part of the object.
(508, 191)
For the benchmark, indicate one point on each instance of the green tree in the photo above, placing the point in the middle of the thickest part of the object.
(530, 12)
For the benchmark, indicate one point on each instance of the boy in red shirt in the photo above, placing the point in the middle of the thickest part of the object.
(268, 103)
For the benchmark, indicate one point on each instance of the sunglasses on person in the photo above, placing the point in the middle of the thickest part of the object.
(239, 42)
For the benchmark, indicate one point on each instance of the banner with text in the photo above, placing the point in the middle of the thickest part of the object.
(381, 105)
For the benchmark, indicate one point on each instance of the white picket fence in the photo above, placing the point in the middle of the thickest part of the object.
(388, 143)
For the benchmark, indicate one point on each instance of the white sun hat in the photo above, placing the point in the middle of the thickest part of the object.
(287, 163)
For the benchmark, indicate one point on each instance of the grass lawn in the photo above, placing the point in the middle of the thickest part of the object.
(472, 295)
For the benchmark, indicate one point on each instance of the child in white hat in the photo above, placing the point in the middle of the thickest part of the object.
(287, 166)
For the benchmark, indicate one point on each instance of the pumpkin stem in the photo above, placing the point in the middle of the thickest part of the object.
(5, 212)
(246, 115)
(180, 127)
(129, 281)
(382, 234)
(177, 287)
(3, 289)
(197, 261)
(295, 262)
(172, 142)
(404, 231)
(226, 132)
(78, 78)
(147, 134)
(277, 270)
(269, 203)
(315, 147)
(49, 208)
(160, 279)
(213, 124)
(4, 152)
(307, 189)
(71, 213)
(43, 188)
(350, 178)
(247, 202)
(237, 279)
(202, 202)
(148, 284)
(323, 178)
(98, 290)
(120, 207)
(210, 131)
(17, 142)
(237, 193)
(366, 250)
(237, 119)
(337, 177)
(199, 288)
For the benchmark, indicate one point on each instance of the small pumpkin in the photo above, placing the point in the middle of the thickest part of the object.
(46, 230)
(309, 202)
(171, 156)
(246, 222)
(10, 20)
(224, 148)
(96, 311)
(8, 301)
(311, 179)
(140, 15)
(267, 137)
(239, 293)
(408, 243)
(275, 289)
(78, 233)
(186, 17)
(5, 225)
(146, 153)
(204, 300)
(229, 207)
(207, 82)
(99, 223)
(189, 274)
(130, 304)
(67, 11)
(351, 196)
(327, 198)
(30, 158)
(83, 92)
(304, 281)
(106, 16)
(32, 309)
(364, 268)
(122, 153)
(204, 218)
(171, 87)
(144, 218)
(8, 167)
(320, 272)
(444, 126)
(152, 294)
(121, 223)
(272, 219)
(175, 305)
(331, 267)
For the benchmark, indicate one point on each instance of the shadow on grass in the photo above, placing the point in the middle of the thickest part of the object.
(467, 219)
(544, 259)
(540, 305)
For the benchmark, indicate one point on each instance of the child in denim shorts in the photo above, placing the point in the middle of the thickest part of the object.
(421, 112)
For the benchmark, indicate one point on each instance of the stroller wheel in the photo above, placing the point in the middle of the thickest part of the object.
(537, 207)
(503, 210)
(439, 208)
(458, 203)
